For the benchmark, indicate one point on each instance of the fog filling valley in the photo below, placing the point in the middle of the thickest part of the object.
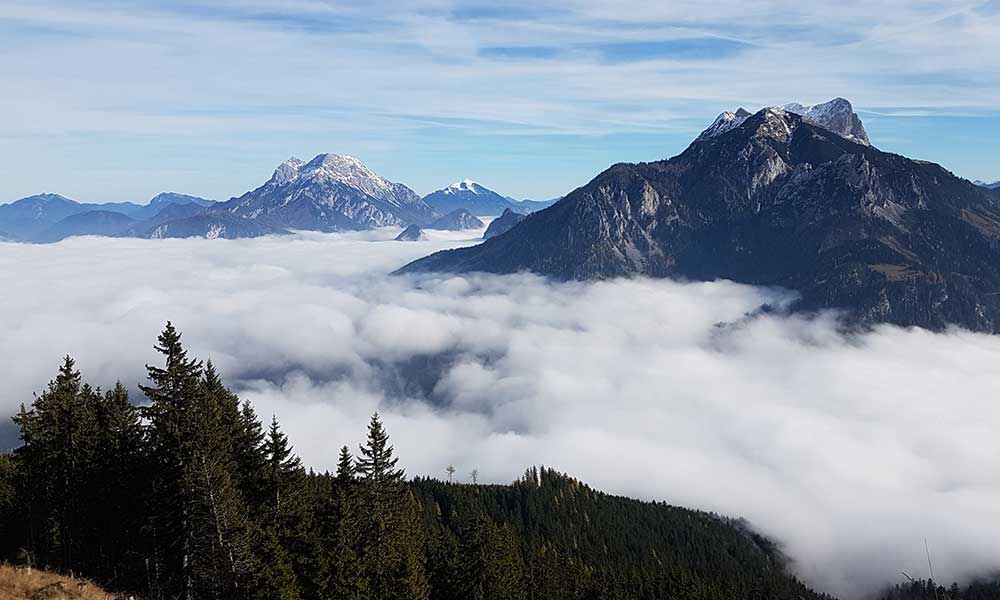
(847, 450)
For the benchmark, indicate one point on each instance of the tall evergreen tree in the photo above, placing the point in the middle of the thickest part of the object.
(283, 468)
(56, 453)
(117, 483)
(199, 521)
(391, 542)
(251, 457)
(341, 534)
(377, 464)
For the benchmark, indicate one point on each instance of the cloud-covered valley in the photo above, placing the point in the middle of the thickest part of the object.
(850, 450)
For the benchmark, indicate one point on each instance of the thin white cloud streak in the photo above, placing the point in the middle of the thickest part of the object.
(849, 451)
(242, 89)
(195, 59)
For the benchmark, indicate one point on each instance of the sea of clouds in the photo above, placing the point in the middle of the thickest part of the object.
(850, 450)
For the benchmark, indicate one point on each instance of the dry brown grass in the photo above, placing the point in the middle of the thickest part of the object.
(19, 583)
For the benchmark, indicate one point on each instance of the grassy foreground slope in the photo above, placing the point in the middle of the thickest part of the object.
(18, 583)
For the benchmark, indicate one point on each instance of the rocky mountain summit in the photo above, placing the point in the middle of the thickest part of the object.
(837, 115)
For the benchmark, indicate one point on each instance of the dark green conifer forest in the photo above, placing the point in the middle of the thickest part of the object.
(187, 494)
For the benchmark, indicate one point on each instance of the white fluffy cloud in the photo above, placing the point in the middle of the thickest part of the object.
(848, 450)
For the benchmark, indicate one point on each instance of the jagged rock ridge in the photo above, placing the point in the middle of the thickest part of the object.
(837, 115)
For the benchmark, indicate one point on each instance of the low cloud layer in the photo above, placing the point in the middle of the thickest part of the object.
(850, 451)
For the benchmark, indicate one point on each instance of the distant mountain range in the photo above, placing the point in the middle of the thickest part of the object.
(991, 186)
(51, 217)
(776, 198)
(331, 192)
(480, 201)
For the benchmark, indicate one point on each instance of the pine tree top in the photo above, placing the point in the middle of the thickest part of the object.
(345, 465)
(377, 462)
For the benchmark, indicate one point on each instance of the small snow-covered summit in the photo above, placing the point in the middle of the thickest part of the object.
(837, 115)
(466, 185)
(469, 195)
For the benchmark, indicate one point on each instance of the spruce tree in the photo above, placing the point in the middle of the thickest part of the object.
(340, 525)
(377, 464)
(118, 483)
(345, 466)
(57, 433)
(250, 457)
(198, 519)
(390, 541)
(282, 468)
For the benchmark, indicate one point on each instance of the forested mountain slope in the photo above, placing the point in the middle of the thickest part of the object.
(191, 496)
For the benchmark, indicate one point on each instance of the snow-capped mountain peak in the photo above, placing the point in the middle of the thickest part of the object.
(466, 185)
(331, 192)
(341, 168)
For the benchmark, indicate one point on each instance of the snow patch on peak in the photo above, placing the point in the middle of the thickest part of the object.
(287, 170)
(337, 162)
(837, 115)
(466, 185)
(345, 169)
(727, 121)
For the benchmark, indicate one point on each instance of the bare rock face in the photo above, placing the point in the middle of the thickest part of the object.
(837, 115)
(777, 200)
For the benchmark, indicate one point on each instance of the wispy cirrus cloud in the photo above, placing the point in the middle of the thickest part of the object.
(137, 75)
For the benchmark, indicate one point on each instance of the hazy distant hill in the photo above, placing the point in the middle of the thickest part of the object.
(51, 217)
(93, 222)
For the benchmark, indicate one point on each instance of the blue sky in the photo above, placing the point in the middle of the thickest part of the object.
(118, 101)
